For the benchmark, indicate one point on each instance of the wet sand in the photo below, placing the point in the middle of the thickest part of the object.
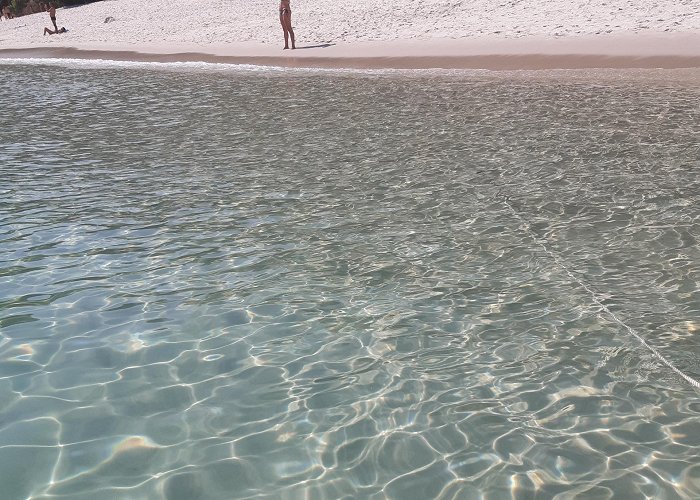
(632, 51)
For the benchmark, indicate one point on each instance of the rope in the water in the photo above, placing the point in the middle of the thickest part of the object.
(596, 300)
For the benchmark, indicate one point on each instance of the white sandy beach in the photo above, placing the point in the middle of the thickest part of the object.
(453, 33)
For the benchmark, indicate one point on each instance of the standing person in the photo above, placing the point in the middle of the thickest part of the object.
(52, 15)
(6, 11)
(286, 21)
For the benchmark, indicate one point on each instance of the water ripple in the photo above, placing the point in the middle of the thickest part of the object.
(284, 284)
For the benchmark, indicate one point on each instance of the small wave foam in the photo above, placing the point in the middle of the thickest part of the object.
(203, 66)
(111, 63)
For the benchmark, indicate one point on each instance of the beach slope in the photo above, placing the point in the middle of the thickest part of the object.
(526, 34)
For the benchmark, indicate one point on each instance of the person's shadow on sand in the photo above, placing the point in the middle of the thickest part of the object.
(321, 46)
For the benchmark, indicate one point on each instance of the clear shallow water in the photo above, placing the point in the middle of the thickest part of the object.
(254, 284)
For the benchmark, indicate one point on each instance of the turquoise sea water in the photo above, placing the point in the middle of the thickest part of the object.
(247, 283)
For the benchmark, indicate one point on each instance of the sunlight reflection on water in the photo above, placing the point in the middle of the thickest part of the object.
(270, 283)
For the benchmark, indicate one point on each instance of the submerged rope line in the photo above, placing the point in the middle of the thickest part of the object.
(596, 300)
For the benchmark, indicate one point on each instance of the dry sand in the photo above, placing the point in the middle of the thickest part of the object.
(497, 34)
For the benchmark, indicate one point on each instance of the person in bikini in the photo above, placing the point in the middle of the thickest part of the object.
(286, 21)
(52, 15)
(57, 32)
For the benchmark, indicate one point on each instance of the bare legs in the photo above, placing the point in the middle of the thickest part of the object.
(286, 22)
(47, 31)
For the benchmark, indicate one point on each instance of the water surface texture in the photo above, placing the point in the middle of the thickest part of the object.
(277, 284)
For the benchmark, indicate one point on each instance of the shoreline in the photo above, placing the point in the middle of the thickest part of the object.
(635, 51)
